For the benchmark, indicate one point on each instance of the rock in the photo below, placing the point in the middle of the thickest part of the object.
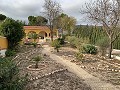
(37, 78)
(112, 70)
(92, 68)
(82, 66)
(45, 54)
(119, 71)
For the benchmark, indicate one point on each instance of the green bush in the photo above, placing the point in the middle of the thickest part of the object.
(79, 56)
(72, 40)
(61, 40)
(89, 49)
(34, 44)
(10, 53)
(9, 76)
(56, 45)
(13, 31)
(103, 45)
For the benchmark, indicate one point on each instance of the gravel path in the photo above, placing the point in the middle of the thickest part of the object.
(94, 82)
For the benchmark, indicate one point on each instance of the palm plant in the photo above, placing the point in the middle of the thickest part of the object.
(37, 59)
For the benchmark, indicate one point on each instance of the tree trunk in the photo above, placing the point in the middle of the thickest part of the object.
(51, 29)
(51, 35)
(57, 50)
(110, 50)
(36, 65)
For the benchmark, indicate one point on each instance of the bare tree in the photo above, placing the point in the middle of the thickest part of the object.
(52, 11)
(106, 13)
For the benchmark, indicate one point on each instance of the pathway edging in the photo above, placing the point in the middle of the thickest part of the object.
(94, 82)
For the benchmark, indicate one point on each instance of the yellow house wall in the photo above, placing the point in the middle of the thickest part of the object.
(39, 30)
(3, 43)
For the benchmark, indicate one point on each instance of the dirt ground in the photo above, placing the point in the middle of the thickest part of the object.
(47, 78)
(107, 70)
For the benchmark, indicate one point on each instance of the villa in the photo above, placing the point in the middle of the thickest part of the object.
(42, 31)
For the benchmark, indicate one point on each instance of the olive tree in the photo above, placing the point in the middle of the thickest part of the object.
(105, 13)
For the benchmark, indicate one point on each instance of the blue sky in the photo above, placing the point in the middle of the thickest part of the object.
(21, 9)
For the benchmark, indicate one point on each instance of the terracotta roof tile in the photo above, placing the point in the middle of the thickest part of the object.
(35, 27)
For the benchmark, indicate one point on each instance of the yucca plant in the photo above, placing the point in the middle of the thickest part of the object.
(37, 59)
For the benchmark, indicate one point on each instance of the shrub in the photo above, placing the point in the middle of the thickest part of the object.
(72, 40)
(79, 56)
(103, 45)
(56, 45)
(10, 53)
(9, 76)
(34, 44)
(89, 49)
(37, 59)
(14, 32)
(61, 40)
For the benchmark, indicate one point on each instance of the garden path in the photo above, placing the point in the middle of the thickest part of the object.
(94, 82)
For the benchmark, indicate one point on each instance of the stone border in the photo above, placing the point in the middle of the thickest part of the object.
(38, 69)
(47, 74)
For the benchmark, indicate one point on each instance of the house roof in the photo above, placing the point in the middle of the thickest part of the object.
(36, 27)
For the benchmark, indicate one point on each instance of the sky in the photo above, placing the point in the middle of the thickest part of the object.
(21, 9)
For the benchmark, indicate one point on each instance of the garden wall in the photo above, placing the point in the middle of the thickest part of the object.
(3, 43)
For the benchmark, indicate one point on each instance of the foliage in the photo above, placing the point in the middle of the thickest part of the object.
(37, 59)
(2, 17)
(38, 21)
(61, 40)
(33, 36)
(9, 77)
(10, 53)
(108, 17)
(89, 49)
(56, 44)
(94, 33)
(103, 44)
(14, 32)
(79, 56)
(72, 40)
(34, 44)
(66, 22)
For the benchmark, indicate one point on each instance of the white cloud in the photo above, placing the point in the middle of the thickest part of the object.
(21, 9)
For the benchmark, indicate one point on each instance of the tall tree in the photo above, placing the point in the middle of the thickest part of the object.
(52, 11)
(38, 21)
(2, 17)
(106, 13)
(32, 20)
(66, 23)
(41, 21)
